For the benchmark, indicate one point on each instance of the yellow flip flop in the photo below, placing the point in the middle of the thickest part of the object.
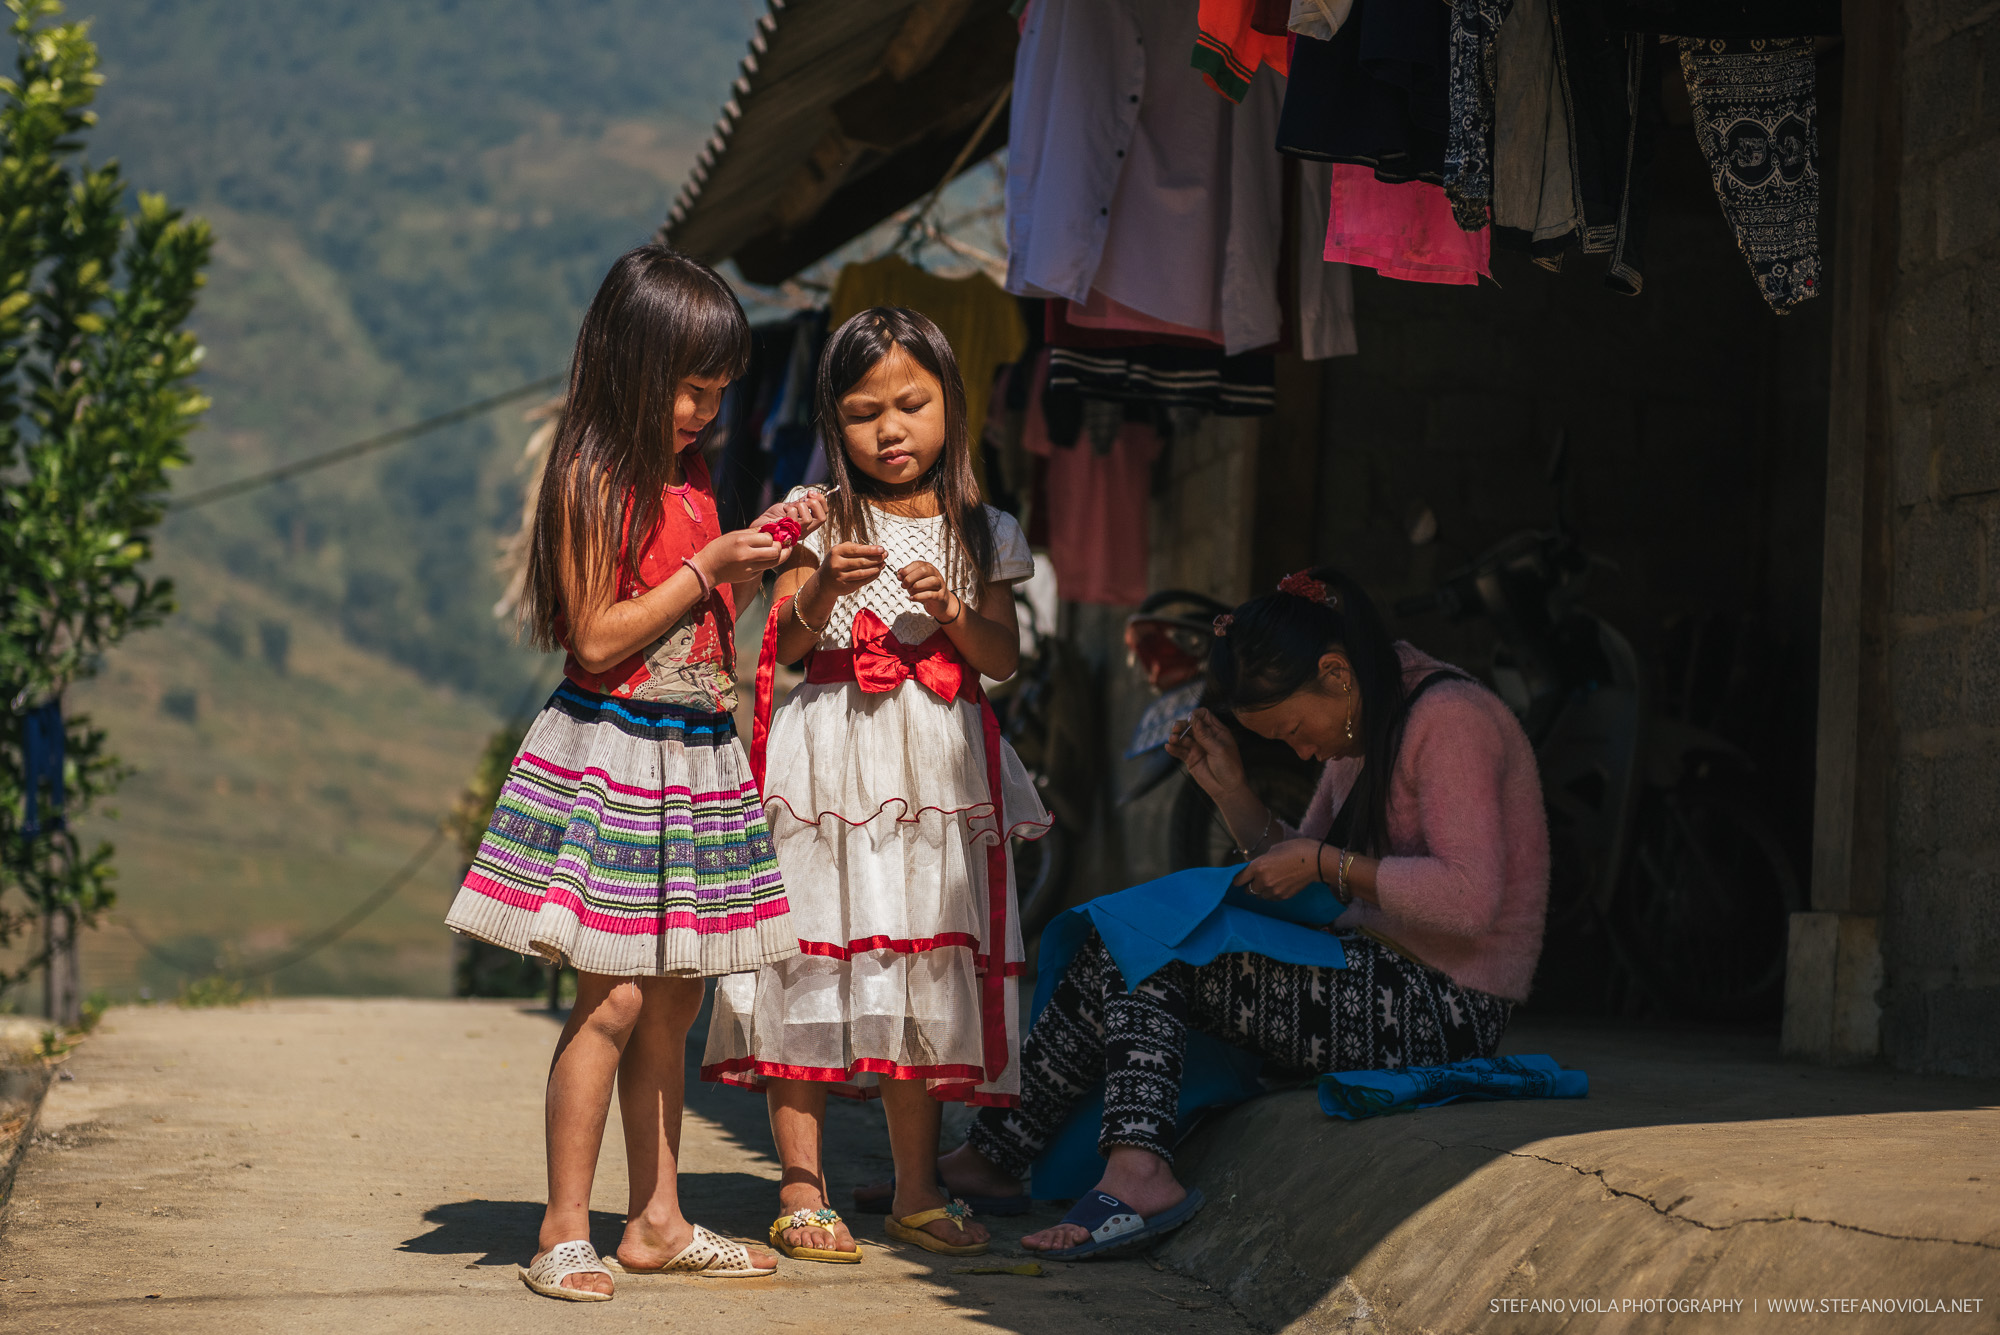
(911, 1229)
(820, 1218)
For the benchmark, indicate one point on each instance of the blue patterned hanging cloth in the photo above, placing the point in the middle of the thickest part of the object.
(42, 751)
(1357, 1094)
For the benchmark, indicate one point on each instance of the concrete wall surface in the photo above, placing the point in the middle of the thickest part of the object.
(1941, 927)
(1699, 1169)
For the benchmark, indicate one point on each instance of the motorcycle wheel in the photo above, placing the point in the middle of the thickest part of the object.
(1702, 915)
(1196, 834)
(1041, 874)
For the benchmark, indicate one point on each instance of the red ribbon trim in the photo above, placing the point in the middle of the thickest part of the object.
(760, 713)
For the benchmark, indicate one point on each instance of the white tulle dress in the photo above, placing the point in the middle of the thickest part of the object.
(879, 805)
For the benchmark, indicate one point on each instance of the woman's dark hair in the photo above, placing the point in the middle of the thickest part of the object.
(658, 318)
(853, 351)
(1271, 650)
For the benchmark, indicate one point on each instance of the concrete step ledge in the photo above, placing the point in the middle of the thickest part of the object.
(1701, 1169)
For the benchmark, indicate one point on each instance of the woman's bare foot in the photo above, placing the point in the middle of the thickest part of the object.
(911, 1199)
(582, 1283)
(649, 1244)
(1138, 1177)
(796, 1196)
(964, 1172)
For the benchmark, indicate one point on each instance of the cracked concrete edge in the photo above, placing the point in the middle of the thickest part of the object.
(1379, 1229)
(1668, 1211)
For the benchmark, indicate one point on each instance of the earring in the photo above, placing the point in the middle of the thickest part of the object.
(1350, 727)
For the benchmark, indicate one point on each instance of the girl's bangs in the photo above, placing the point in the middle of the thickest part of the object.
(716, 337)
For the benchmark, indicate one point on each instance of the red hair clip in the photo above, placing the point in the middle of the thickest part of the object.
(1303, 585)
(1223, 623)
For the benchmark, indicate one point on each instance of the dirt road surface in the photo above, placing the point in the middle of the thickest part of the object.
(307, 1166)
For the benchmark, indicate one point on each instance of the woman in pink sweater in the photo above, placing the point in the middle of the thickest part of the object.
(1428, 825)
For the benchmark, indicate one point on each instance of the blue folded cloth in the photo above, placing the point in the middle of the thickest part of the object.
(1357, 1094)
(1194, 916)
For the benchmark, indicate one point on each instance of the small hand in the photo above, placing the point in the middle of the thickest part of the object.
(850, 566)
(1209, 752)
(808, 512)
(1287, 868)
(744, 554)
(926, 587)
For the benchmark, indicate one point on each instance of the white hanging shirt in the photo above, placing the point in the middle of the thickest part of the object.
(1127, 173)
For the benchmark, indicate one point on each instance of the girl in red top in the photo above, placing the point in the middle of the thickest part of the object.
(628, 841)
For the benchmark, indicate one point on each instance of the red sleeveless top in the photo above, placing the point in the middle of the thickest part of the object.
(693, 662)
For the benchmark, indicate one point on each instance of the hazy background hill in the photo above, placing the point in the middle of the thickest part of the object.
(412, 204)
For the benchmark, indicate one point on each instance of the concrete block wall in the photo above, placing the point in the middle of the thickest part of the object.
(1941, 912)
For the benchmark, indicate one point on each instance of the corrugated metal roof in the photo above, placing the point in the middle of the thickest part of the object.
(842, 112)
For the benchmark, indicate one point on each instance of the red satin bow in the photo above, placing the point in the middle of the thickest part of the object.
(882, 662)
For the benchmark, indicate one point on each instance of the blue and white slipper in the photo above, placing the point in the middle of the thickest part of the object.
(1113, 1225)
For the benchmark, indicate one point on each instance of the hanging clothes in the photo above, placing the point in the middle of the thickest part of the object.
(1318, 19)
(1402, 231)
(1612, 82)
(1554, 118)
(1101, 312)
(1099, 504)
(1166, 376)
(982, 323)
(1324, 326)
(1376, 94)
(1126, 176)
(741, 465)
(1235, 37)
(1755, 113)
(1535, 205)
(1509, 151)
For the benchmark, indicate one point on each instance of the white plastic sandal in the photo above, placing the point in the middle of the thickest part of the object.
(707, 1257)
(545, 1275)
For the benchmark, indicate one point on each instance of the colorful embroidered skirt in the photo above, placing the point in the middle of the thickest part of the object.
(628, 840)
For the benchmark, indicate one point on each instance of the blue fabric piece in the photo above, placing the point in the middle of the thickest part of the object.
(1358, 1094)
(42, 744)
(1193, 916)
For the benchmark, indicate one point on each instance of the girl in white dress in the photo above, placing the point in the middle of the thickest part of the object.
(892, 799)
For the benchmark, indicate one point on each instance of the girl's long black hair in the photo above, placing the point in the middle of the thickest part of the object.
(658, 318)
(850, 355)
(1271, 650)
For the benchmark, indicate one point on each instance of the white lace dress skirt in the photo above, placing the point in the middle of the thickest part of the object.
(878, 804)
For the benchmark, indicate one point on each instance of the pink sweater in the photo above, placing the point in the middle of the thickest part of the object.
(1466, 883)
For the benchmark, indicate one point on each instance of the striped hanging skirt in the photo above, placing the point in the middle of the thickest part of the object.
(629, 840)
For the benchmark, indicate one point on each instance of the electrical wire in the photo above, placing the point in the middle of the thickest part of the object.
(319, 940)
(313, 463)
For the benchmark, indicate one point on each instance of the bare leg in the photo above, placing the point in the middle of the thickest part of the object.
(652, 1081)
(798, 1126)
(964, 1172)
(914, 1119)
(1140, 1178)
(579, 1094)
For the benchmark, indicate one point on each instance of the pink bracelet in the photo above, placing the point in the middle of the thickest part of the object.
(707, 588)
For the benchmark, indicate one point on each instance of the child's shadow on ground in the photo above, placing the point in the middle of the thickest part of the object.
(497, 1232)
(503, 1232)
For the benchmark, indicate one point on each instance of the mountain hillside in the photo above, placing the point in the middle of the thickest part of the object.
(412, 202)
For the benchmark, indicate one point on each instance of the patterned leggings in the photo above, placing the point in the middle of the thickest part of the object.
(1382, 1010)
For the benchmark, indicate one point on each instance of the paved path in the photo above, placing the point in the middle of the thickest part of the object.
(359, 1166)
